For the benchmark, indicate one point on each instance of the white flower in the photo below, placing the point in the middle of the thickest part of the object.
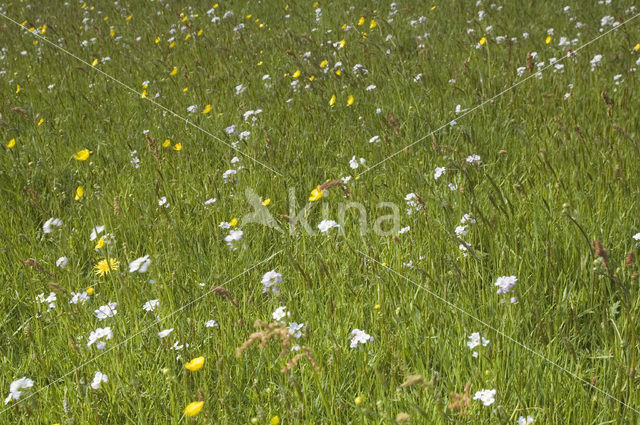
(211, 324)
(474, 159)
(100, 334)
(210, 201)
(95, 232)
(370, 87)
(439, 172)
(140, 265)
(151, 305)
(98, 379)
(240, 89)
(16, 386)
(232, 129)
(269, 280)
(325, 225)
(105, 311)
(505, 284)
(80, 297)
(404, 230)
(51, 300)
(596, 61)
(48, 225)
(359, 337)
(525, 421)
(232, 238)
(192, 108)
(280, 313)
(487, 397)
(164, 333)
(636, 236)
(62, 262)
(374, 139)
(475, 340)
(163, 202)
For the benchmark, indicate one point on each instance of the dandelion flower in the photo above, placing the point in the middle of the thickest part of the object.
(275, 420)
(195, 364)
(11, 143)
(105, 266)
(79, 193)
(482, 41)
(174, 71)
(296, 74)
(350, 100)
(206, 109)
(358, 401)
(82, 155)
(317, 194)
(194, 408)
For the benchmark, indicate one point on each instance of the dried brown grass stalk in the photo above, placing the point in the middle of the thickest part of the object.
(224, 293)
(602, 253)
(461, 402)
(628, 261)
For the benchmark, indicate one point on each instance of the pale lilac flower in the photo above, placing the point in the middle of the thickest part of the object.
(474, 159)
(165, 333)
(99, 336)
(151, 305)
(439, 172)
(211, 324)
(98, 379)
(295, 329)
(48, 225)
(233, 238)
(270, 280)
(105, 311)
(280, 313)
(325, 225)
(140, 265)
(62, 262)
(359, 336)
(16, 386)
(95, 232)
(461, 230)
(505, 284)
(487, 397)
(79, 298)
(525, 421)
(475, 340)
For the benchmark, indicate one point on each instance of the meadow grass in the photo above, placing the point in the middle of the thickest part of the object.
(554, 197)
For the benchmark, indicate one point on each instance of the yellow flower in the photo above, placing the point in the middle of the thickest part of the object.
(95, 62)
(194, 408)
(206, 109)
(188, 36)
(172, 44)
(482, 41)
(105, 266)
(79, 192)
(548, 40)
(361, 21)
(177, 147)
(323, 63)
(128, 18)
(184, 90)
(350, 100)
(195, 364)
(358, 400)
(174, 71)
(200, 31)
(377, 306)
(11, 143)
(82, 155)
(164, 370)
(157, 40)
(311, 78)
(100, 243)
(43, 29)
(260, 63)
(18, 88)
(143, 94)
(636, 47)
(112, 32)
(215, 6)
(275, 420)
(315, 194)
(373, 24)
(90, 291)
(233, 222)
(40, 122)
(166, 143)
(266, 202)
(342, 43)
(332, 101)
(338, 72)
(296, 74)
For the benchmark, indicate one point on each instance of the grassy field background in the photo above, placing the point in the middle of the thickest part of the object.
(152, 90)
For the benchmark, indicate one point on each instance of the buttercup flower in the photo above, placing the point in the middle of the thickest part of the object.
(195, 364)
(82, 155)
(193, 408)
